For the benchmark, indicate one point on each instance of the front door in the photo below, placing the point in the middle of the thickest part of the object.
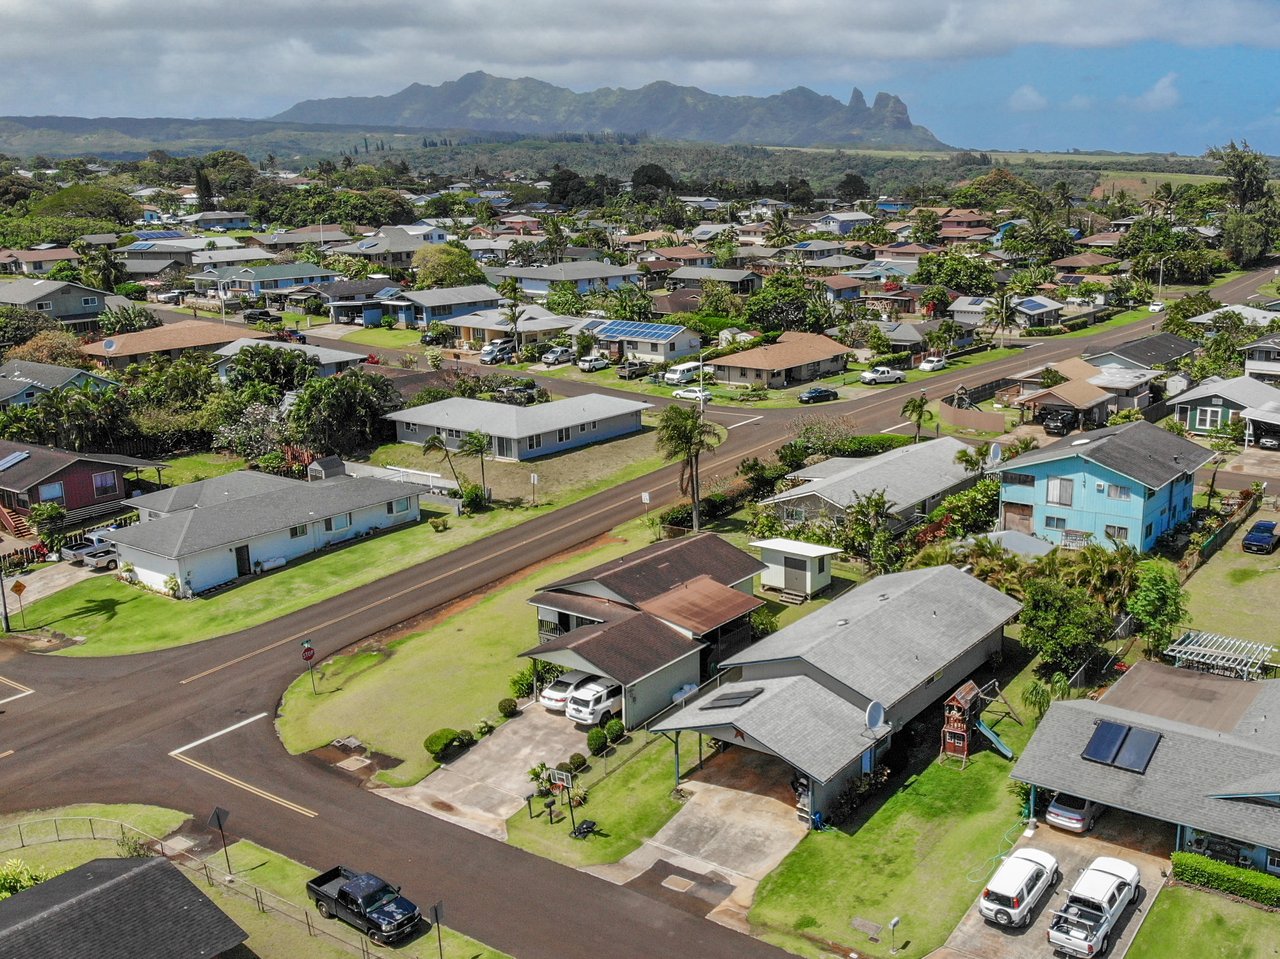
(243, 566)
(1017, 516)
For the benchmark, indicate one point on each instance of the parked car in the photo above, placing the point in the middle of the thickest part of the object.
(593, 364)
(882, 374)
(101, 557)
(1083, 926)
(1261, 538)
(557, 355)
(931, 364)
(498, 352)
(818, 394)
(699, 394)
(74, 551)
(1060, 422)
(634, 369)
(1073, 813)
(556, 696)
(1022, 880)
(363, 900)
(595, 703)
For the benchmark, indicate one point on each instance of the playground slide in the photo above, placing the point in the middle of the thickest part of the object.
(996, 741)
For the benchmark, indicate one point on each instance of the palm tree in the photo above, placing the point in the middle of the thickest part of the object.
(1001, 315)
(916, 410)
(436, 444)
(684, 435)
(476, 445)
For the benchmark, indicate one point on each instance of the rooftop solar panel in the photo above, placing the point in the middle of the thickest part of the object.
(1105, 742)
(1136, 752)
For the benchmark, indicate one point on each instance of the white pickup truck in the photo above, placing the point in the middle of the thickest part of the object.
(1083, 926)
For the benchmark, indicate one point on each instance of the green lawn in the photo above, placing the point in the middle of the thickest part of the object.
(199, 466)
(396, 339)
(921, 855)
(1191, 922)
(452, 674)
(630, 806)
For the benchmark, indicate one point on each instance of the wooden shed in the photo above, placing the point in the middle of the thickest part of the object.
(793, 568)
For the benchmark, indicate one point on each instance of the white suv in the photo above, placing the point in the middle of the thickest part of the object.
(1020, 882)
(596, 703)
(556, 695)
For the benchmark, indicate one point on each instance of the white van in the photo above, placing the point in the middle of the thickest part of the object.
(682, 373)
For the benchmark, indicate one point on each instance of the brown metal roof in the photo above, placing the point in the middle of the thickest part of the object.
(1183, 695)
(701, 604)
(627, 649)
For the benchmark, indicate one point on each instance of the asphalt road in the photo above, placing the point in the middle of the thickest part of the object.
(105, 729)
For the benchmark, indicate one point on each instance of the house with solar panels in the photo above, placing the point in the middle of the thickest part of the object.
(1194, 751)
(654, 342)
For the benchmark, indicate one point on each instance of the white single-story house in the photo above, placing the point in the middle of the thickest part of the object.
(331, 361)
(522, 432)
(200, 541)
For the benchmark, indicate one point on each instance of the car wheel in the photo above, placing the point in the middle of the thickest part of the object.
(322, 907)
(1003, 917)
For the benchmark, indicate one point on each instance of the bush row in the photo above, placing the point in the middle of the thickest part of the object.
(1197, 870)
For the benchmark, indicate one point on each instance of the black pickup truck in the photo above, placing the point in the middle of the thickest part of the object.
(363, 900)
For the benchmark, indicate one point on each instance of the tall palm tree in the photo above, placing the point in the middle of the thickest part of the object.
(436, 444)
(684, 435)
(476, 445)
(916, 410)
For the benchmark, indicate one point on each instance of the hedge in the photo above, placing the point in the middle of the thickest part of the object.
(1197, 870)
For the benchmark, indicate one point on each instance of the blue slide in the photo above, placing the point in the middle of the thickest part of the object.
(996, 741)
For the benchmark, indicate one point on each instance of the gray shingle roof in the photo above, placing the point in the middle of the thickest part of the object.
(322, 353)
(886, 637)
(794, 717)
(907, 475)
(211, 492)
(1141, 451)
(116, 909)
(195, 530)
(507, 420)
(1244, 390)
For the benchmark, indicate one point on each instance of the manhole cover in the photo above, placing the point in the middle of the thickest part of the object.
(678, 883)
(872, 929)
(352, 763)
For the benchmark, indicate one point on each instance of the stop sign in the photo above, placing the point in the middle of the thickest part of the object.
(308, 654)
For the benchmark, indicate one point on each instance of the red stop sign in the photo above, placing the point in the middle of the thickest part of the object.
(308, 654)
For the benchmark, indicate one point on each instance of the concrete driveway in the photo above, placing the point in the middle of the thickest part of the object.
(1131, 838)
(485, 786)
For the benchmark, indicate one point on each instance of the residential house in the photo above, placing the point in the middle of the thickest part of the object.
(169, 341)
(1145, 353)
(83, 484)
(330, 361)
(742, 282)
(654, 342)
(795, 358)
(421, 308)
(23, 382)
(1183, 747)
(212, 219)
(657, 620)
(826, 695)
(1262, 358)
(254, 281)
(74, 305)
(914, 479)
(1216, 402)
(143, 908)
(252, 530)
(522, 432)
(843, 222)
(1130, 483)
(584, 277)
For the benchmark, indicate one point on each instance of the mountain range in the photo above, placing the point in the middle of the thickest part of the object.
(479, 101)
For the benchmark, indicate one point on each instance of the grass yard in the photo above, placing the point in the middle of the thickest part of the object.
(451, 674)
(1192, 922)
(199, 466)
(630, 806)
(376, 336)
(1228, 593)
(922, 854)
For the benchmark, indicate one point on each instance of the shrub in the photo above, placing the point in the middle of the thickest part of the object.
(439, 742)
(1248, 884)
(507, 708)
(466, 738)
(615, 730)
(577, 762)
(597, 741)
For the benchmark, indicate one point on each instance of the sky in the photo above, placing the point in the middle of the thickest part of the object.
(1125, 75)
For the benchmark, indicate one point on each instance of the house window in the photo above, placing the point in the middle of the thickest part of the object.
(297, 532)
(1060, 490)
(535, 441)
(1117, 492)
(1019, 479)
(104, 484)
(1117, 532)
(1055, 522)
(88, 301)
(564, 434)
(45, 306)
(410, 427)
(1208, 418)
(340, 522)
(51, 493)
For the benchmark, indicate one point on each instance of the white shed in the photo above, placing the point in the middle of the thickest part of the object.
(795, 567)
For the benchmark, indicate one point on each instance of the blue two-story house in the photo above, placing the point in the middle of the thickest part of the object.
(1127, 483)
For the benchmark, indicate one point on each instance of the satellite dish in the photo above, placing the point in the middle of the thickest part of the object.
(108, 345)
(993, 455)
(875, 714)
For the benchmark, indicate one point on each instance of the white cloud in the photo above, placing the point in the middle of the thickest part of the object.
(1027, 99)
(1163, 95)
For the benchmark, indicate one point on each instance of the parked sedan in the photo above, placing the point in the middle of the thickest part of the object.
(698, 394)
(556, 695)
(933, 363)
(1022, 880)
(818, 394)
(1073, 813)
(1261, 538)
